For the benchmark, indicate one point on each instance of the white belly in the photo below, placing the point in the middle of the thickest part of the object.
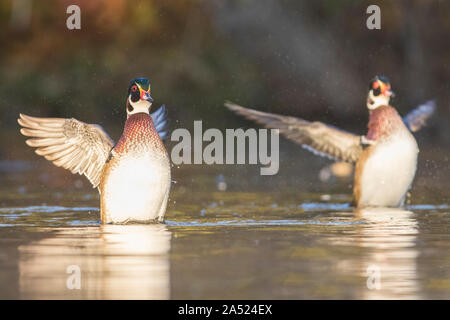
(389, 172)
(136, 190)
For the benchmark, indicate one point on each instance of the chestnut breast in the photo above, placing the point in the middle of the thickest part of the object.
(385, 169)
(136, 179)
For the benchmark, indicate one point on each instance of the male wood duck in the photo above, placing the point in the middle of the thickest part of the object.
(385, 158)
(132, 176)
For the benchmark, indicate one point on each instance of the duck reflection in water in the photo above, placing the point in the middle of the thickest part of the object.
(388, 266)
(115, 262)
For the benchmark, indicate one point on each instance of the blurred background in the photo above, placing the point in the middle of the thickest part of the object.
(311, 59)
(229, 232)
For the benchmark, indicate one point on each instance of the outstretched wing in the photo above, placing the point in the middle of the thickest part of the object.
(74, 145)
(322, 139)
(161, 122)
(416, 119)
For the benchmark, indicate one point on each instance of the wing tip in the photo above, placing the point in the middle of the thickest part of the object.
(23, 131)
(30, 142)
(231, 105)
(22, 120)
(25, 117)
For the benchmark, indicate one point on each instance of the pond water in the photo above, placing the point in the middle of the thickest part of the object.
(250, 242)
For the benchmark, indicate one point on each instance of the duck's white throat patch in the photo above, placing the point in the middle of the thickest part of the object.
(374, 102)
(138, 107)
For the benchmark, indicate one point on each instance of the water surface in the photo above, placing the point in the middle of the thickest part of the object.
(282, 243)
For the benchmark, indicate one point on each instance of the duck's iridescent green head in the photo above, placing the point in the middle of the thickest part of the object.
(139, 89)
(380, 92)
(139, 99)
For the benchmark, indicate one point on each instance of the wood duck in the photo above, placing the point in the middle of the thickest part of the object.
(385, 158)
(132, 176)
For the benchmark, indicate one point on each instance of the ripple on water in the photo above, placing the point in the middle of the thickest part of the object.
(313, 206)
(251, 222)
(48, 209)
(46, 216)
(15, 216)
(427, 207)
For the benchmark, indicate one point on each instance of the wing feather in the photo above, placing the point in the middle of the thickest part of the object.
(416, 119)
(69, 143)
(322, 139)
(51, 149)
(161, 122)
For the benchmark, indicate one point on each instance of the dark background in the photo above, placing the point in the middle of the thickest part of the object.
(311, 59)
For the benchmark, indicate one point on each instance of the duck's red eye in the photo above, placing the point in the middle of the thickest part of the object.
(134, 88)
(375, 85)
